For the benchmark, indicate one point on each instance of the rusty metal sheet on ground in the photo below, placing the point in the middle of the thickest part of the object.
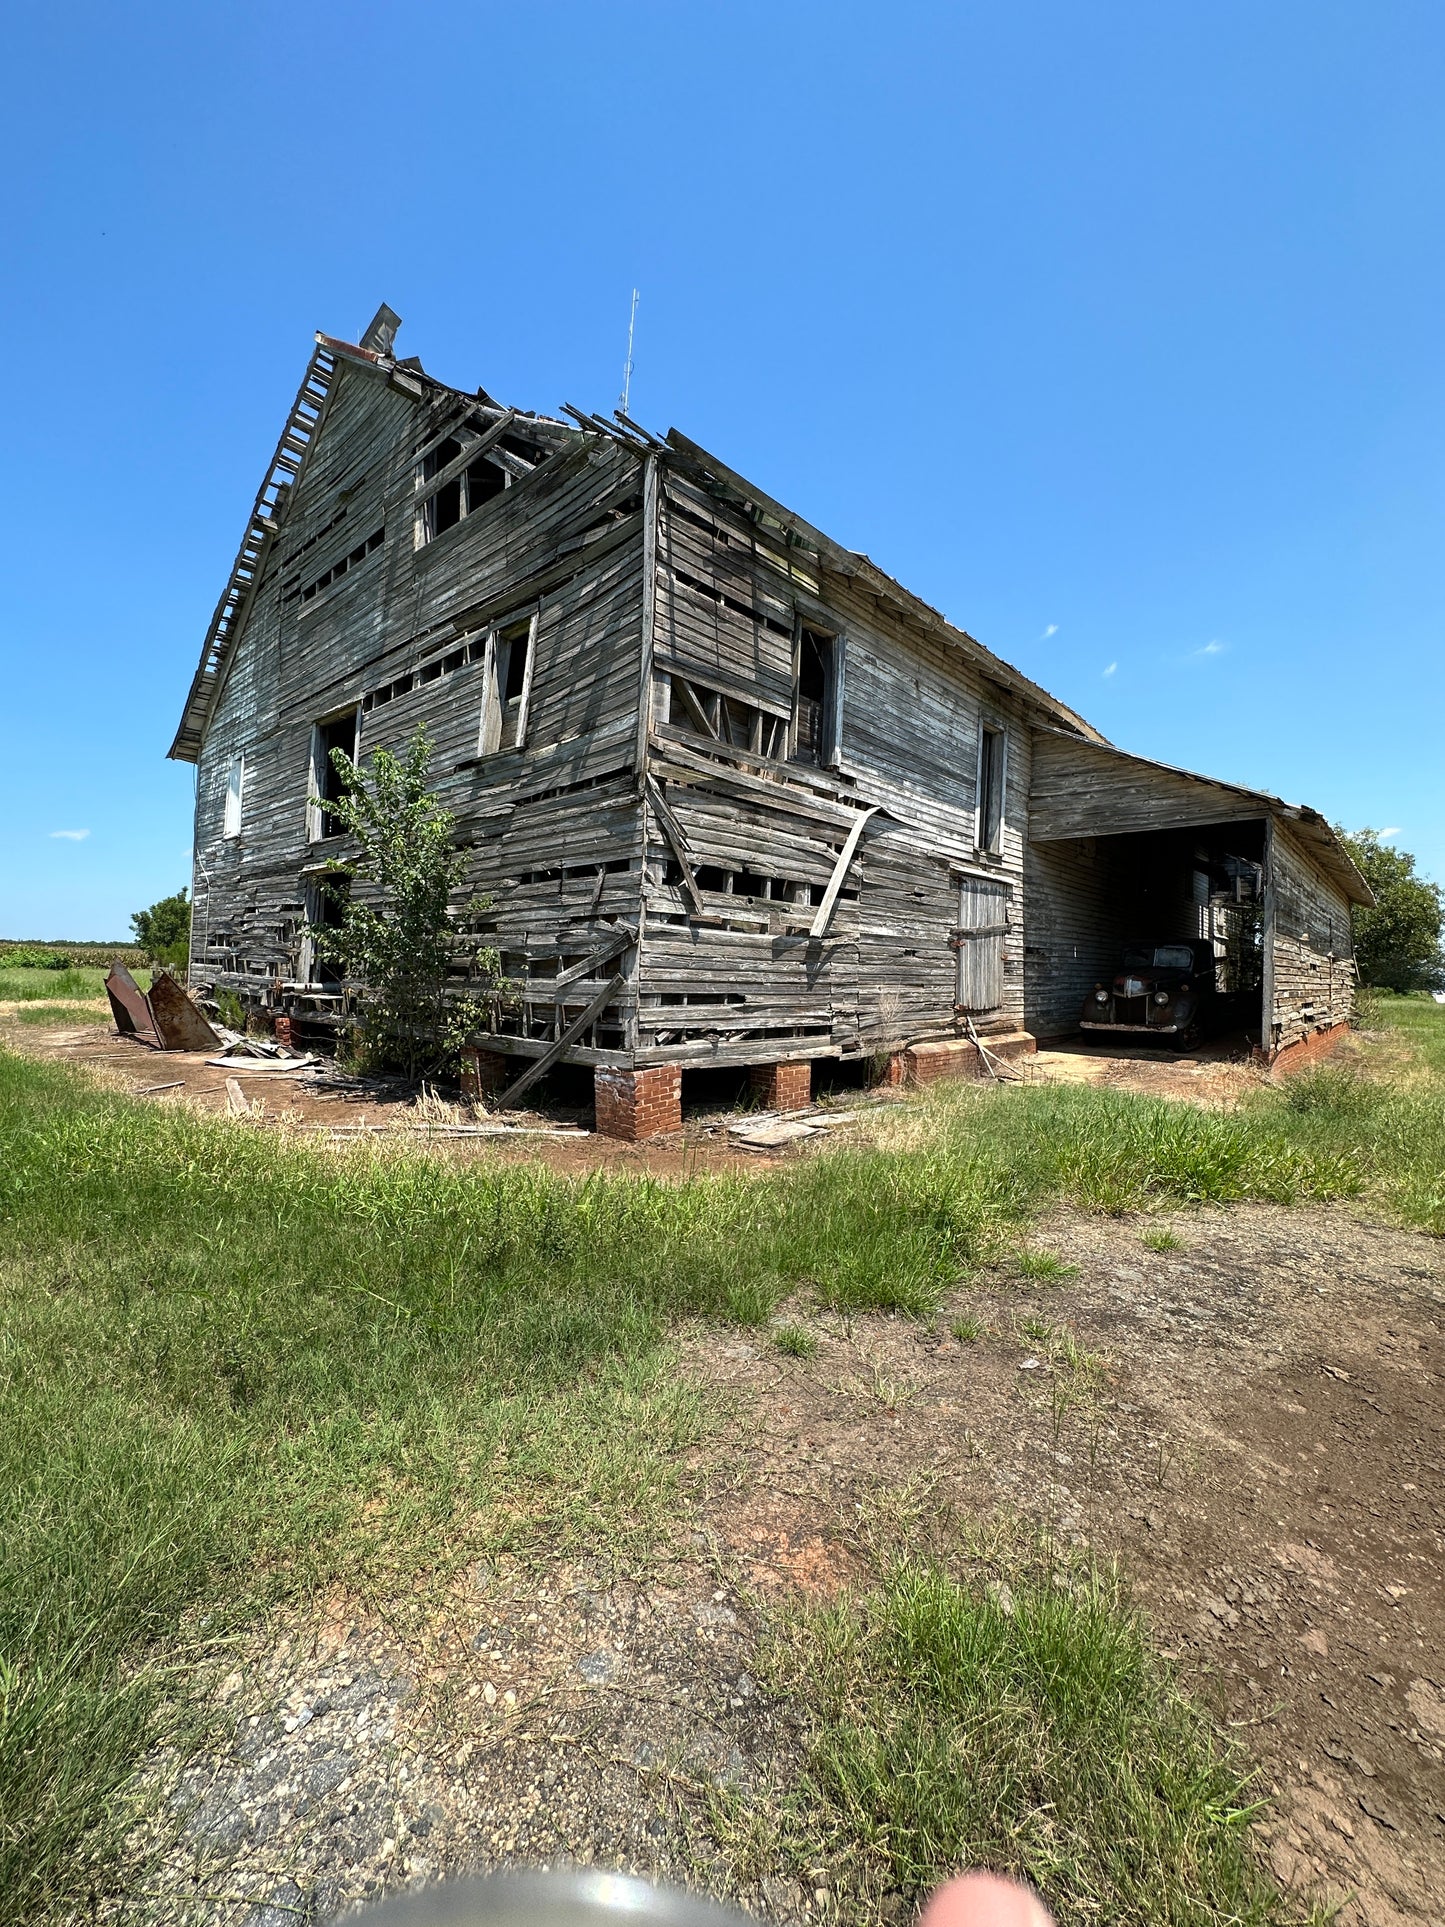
(129, 1007)
(180, 1024)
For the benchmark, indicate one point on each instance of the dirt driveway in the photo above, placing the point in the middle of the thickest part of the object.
(1250, 1422)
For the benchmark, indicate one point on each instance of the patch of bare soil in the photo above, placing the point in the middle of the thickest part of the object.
(541, 1716)
(1251, 1423)
(559, 1138)
(1215, 1076)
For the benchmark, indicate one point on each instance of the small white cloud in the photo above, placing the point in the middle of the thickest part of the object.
(1110, 670)
(1052, 630)
(1394, 830)
(1215, 648)
(71, 836)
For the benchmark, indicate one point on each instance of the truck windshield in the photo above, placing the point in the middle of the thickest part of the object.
(1160, 956)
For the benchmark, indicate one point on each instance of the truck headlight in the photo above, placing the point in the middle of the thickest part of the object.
(1161, 996)
(1101, 996)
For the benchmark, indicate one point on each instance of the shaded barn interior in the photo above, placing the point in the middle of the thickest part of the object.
(1091, 897)
(1122, 850)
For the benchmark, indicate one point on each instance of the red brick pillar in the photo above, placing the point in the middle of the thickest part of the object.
(484, 1072)
(283, 1032)
(782, 1087)
(634, 1105)
(894, 1074)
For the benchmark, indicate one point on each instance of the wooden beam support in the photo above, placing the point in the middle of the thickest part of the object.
(549, 1057)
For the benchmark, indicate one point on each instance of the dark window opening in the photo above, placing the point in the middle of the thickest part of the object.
(528, 451)
(484, 482)
(338, 568)
(746, 883)
(329, 897)
(438, 457)
(704, 712)
(512, 662)
(444, 510)
(990, 788)
(330, 783)
(816, 734)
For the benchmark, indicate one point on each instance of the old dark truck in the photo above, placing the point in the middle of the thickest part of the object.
(1162, 990)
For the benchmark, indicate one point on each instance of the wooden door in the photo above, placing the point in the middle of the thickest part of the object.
(983, 912)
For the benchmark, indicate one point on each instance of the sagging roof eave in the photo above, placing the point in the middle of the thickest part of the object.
(1316, 830)
(850, 562)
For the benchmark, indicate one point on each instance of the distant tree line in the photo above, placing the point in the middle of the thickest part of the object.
(1398, 942)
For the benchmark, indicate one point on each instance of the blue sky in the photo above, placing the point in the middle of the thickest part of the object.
(1114, 331)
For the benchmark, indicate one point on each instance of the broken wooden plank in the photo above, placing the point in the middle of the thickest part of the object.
(626, 936)
(769, 1137)
(819, 926)
(677, 842)
(236, 1103)
(549, 1057)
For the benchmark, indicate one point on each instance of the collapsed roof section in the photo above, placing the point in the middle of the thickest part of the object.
(374, 351)
(278, 486)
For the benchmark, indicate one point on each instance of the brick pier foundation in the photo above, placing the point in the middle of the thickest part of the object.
(485, 1072)
(782, 1087)
(954, 1057)
(1305, 1051)
(633, 1105)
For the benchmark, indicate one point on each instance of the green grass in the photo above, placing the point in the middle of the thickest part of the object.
(1387, 1119)
(51, 1015)
(795, 1341)
(1042, 1266)
(233, 1370)
(1027, 1727)
(1162, 1240)
(31, 986)
(52, 986)
(967, 1330)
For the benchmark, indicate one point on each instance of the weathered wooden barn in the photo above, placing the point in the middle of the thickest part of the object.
(738, 798)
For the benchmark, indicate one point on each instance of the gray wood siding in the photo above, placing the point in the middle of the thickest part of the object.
(1086, 789)
(1311, 970)
(564, 543)
(743, 979)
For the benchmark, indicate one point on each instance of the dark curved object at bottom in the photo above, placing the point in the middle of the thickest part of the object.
(583, 1899)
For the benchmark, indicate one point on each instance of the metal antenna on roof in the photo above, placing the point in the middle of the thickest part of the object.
(627, 365)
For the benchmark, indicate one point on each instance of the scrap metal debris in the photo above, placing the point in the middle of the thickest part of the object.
(166, 1019)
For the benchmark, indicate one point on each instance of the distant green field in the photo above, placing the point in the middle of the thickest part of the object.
(56, 986)
(16, 953)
